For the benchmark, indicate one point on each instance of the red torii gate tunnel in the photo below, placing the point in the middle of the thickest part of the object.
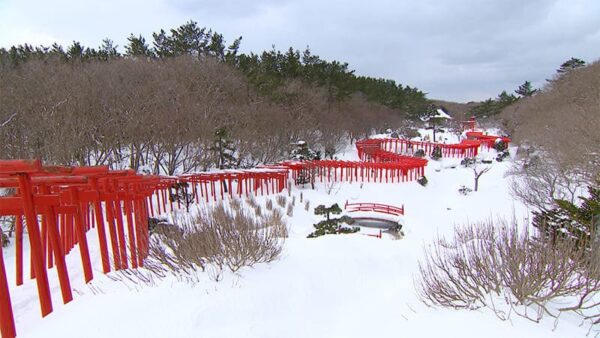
(60, 204)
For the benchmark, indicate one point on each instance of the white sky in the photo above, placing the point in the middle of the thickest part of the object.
(458, 50)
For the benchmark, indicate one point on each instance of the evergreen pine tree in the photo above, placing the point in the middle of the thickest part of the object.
(107, 50)
(137, 46)
(224, 150)
(526, 90)
(569, 65)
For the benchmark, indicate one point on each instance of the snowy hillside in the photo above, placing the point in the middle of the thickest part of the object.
(331, 286)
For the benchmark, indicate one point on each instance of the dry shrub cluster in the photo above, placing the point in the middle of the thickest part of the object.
(281, 200)
(162, 114)
(509, 270)
(217, 238)
(564, 119)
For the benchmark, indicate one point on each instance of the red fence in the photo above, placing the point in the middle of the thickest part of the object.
(487, 140)
(375, 207)
(60, 204)
(369, 148)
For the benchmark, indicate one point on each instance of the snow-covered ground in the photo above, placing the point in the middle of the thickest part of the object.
(331, 286)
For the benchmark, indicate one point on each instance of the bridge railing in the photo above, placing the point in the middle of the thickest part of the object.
(375, 207)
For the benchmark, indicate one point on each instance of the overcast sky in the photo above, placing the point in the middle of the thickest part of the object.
(458, 50)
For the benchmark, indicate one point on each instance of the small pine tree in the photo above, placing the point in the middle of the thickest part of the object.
(500, 145)
(436, 153)
(526, 90)
(224, 150)
(322, 210)
(331, 226)
(569, 65)
(302, 152)
(570, 221)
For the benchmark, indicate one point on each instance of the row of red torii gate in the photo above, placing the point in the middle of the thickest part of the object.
(57, 206)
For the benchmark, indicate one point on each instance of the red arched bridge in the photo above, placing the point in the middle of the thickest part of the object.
(375, 207)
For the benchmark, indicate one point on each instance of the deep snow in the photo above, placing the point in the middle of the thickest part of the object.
(331, 286)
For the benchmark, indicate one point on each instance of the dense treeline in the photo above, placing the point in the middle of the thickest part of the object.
(563, 118)
(494, 106)
(160, 106)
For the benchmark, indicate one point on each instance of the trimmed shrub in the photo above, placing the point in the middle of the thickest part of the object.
(436, 153)
(281, 200)
(464, 190)
(419, 153)
(500, 145)
(423, 181)
(332, 226)
(501, 156)
(468, 161)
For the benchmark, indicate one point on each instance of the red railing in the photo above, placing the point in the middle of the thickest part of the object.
(375, 207)
(487, 140)
(61, 204)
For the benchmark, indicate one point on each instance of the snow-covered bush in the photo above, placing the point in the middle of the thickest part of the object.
(218, 237)
(179, 192)
(464, 190)
(5, 240)
(436, 153)
(570, 221)
(501, 156)
(509, 270)
(302, 152)
(500, 145)
(281, 200)
(423, 181)
(269, 204)
(468, 161)
(419, 153)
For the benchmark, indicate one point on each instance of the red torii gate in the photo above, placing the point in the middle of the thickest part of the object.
(487, 140)
(63, 197)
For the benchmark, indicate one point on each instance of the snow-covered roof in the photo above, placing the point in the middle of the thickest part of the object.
(441, 114)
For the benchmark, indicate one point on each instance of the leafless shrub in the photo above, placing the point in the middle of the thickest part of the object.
(217, 237)
(235, 204)
(274, 220)
(290, 210)
(307, 205)
(489, 264)
(258, 210)
(281, 200)
(301, 197)
(538, 180)
(251, 201)
(269, 204)
(293, 203)
(289, 188)
(332, 187)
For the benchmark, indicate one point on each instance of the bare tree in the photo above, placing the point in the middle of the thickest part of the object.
(477, 173)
